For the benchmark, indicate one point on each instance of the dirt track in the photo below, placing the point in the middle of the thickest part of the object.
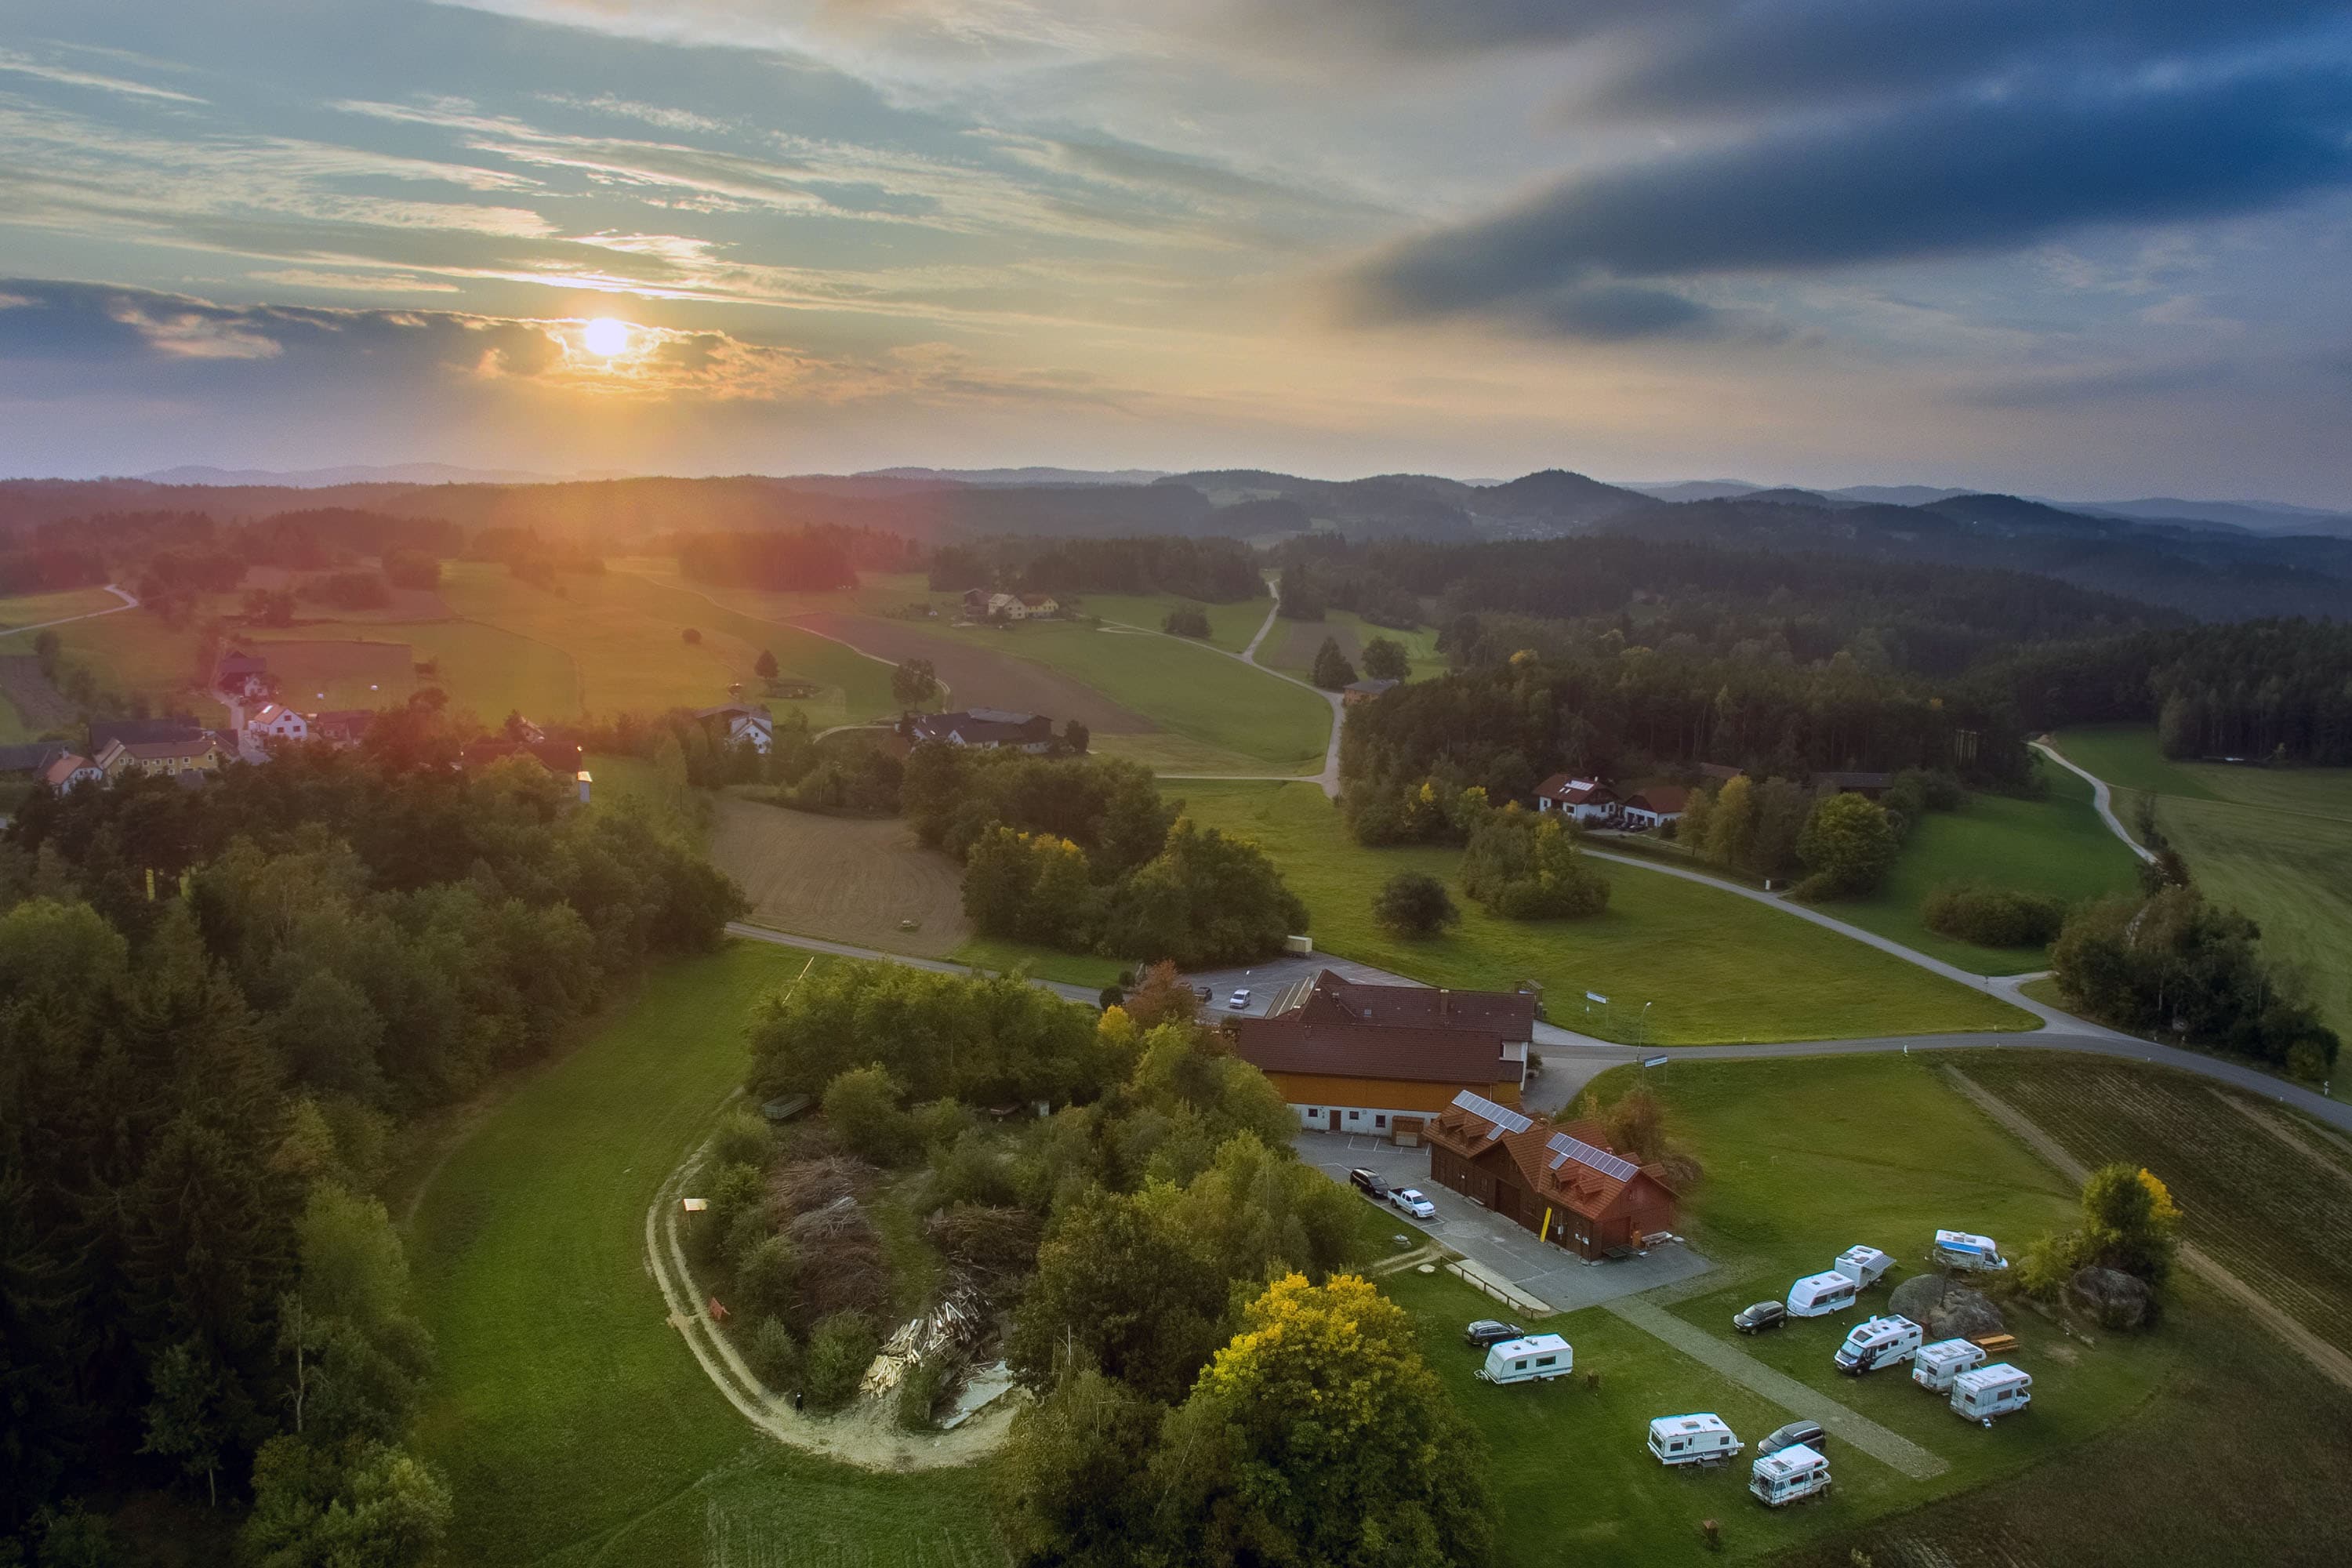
(980, 677)
(848, 879)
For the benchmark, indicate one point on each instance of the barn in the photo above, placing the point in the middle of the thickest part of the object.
(1560, 1182)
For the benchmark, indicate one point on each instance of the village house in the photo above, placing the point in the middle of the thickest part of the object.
(169, 758)
(342, 727)
(1560, 1182)
(271, 725)
(1365, 691)
(1583, 799)
(745, 725)
(70, 770)
(986, 728)
(1382, 1059)
(1654, 805)
(240, 675)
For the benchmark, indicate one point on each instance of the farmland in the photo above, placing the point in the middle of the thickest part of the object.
(981, 677)
(1291, 645)
(1712, 966)
(573, 1424)
(850, 879)
(32, 609)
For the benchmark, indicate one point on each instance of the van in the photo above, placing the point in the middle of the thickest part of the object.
(1692, 1440)
(1819, 1295)
(1936, 1365)
(2000, 1389)
(1877, 1342)
(1863, 1265)
(1792, 1474)
(1539, 1358)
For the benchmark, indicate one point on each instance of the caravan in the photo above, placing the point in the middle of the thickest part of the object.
(1863, 1265)
(1535, 1359)
(1877, 1342)
(1958, 1249)
(1692, 1440)
(1789, 1476)
(1936, 1365)
(1819, 1295)
(2000, 1389)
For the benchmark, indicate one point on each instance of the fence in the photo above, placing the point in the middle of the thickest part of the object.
(1485, 1284)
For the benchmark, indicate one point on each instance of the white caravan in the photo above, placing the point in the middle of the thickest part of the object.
(1790, 1475)
(1692, 1440)
(1863, 1265)
(1535, 1359)
(2000, 1389)
(1958, 1249)
(1878, 1342)
(1936, 1365)
(1819, 1295)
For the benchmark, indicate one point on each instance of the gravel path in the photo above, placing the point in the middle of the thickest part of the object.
(2101, 796)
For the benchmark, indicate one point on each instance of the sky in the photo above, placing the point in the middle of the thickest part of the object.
(2096, 248)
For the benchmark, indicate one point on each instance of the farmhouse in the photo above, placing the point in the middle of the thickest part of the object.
(239, 674)
(1365, 691)
(1561, 1182)
(271, 724)
(986, 728)
(1382, 1059)
(342, 727)
(1654, 806)
(70, 770)
(1586, 800)
(170, 758)
(140, 732)
(746, 725)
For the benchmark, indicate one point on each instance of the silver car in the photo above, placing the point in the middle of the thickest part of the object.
(1410, 1200)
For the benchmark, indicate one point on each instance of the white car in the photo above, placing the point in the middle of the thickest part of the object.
(1239, 1002)
(1410, 1200)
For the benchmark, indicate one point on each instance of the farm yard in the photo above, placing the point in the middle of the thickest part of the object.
(850, 879)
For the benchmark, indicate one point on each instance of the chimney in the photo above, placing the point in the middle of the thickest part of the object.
(584, 783)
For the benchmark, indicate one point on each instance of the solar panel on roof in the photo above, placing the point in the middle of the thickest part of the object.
(1504, 1119)
(1584, 1153)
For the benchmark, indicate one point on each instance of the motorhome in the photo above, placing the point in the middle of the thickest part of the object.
(1863, 1265)
(1958, 1249)
(1819, 1295)
(1789, 1476)
(1877, 1342)
(1535, 1359)
(2000, 1389)
(1936, 1365)
(1692, 1440)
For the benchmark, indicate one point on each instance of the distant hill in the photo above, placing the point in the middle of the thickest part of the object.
(1896, 495)
(2261, 517)
(1024, 476)
(357, 473)
(1696, 489)
(1789, 495)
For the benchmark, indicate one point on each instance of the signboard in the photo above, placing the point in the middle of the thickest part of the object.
(1654, 1061)
(1596, 996)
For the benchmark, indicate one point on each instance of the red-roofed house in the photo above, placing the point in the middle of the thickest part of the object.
(1586, 799)
(1560, 1182)
(1654, 806)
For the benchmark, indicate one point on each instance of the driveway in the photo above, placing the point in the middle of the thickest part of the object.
(1505, 1249)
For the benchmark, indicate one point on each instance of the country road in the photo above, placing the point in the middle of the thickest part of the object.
(2101, 796)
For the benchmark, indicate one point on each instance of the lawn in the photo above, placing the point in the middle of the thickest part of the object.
(572, 1422)
(136, 652)
(1713, 966)
(2056, 844)
(32, 609)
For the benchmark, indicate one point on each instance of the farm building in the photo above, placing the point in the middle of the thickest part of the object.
(1382, 1059)
(342, 726)
(70, 770)
(141, 731)
(1870, 785)
(1586, 800)
(986, 728)
(239, 674)
(170, 758)
(1562, 1182)
(1365, 691)
(1654, 806)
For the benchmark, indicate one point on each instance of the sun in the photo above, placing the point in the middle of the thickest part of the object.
(605, 338)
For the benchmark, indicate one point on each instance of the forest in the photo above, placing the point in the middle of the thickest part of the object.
(1219, 570)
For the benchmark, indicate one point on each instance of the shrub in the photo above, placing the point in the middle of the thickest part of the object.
(1414, 904)
(939, 1122)
(1524, 869)
(411, 569)
(1848, 842)
(862, 1104)
(1332, 670)
(691, 636)
(743, 1139)
(1189, 622)
(1993, 917)
(734, 1192)
(840, 1348)
(922, 1390)
(766, 1275)
(773, 1356)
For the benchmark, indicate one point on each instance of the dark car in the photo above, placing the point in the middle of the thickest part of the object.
(1808, 1433)
(1487, 1332)
(1763, 1315)
(1370, 1185)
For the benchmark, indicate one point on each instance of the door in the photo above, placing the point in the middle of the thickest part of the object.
(1335, 1119)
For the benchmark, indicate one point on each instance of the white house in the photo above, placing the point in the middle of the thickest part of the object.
(985, 728)
(1585, 800)
(1654, 806)
(270, 725)
(746, 725)
(70, 770)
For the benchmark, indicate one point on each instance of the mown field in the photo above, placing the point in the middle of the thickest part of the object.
(2276, 844)
(18, 610)
(1291, 645)
(2056, 844)
(1713, 967)
(853, 879)
(572, 1422)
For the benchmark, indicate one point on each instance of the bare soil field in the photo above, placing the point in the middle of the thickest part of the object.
(845, 879)
(43, 705)
(981, 677)
(1306, 637)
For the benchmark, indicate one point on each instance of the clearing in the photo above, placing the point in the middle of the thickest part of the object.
(846, 878)
(573, 1423)
(1714, 967)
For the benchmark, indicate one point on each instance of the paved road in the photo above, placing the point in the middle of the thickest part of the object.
(129, 603)
(2101, 796)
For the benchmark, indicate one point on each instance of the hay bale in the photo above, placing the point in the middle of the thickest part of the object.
(1945, 1312)
(2111, 1297)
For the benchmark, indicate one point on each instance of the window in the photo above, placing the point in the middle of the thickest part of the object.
(1546, 1360)
(1673, 1447)
(1355, 1116)
(1380, 1121)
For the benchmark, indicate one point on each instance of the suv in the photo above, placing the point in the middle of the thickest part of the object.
(1808, 1433)
(1487, 1332)
(1410, 1200)
(1763, 1315)
(1238, 1001)
(1370, 1185)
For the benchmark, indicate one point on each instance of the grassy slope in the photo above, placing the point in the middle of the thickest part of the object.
(571, 1423)
(1420, 644)
(1231, 627)
(1715, 967)
(32, 609)
(2056, 844)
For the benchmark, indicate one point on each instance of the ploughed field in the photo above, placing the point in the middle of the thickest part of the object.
(851, 880)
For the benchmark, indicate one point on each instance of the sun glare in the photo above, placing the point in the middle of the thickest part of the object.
(605, 338)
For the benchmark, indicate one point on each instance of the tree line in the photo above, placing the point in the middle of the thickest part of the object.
(1216, 571)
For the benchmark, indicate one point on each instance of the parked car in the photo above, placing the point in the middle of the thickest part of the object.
(1238, 1001)
(1203, 992)
(1410, 1200)
(1808, 1433)
(1762, 1315)
(1487, 1332)
(1368, 1184)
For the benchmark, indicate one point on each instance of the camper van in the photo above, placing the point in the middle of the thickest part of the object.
(1863, 1265)
(1877, 1342)
(1535, 1359)
(2000, 1389)
(1936, 1365)
(1692, 1440)
(1958, 1249)
(1819, 1295)
(1790, 1475)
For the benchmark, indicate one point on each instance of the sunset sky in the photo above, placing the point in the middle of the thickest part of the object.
(2079, 247)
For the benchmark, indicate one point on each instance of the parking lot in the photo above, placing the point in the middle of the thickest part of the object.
(1497, 1244)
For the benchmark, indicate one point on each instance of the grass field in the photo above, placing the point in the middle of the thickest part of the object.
(2056, 844)
(1231, 627)
(2276, 844)
(573, 1424)
(1714, 967)
(32, 609)
(1291, 645)
(846, 878)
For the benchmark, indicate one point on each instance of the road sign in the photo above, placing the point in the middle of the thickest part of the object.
(1596, 996)
(1654, 1061)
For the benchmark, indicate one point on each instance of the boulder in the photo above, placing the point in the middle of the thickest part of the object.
(2115, 1299)
(1945, 1311)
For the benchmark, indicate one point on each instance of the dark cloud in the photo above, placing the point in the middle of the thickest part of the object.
(1610, 312)
(1467, 26)
(1946, 178)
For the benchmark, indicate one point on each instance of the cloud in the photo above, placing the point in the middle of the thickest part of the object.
(2060, 388)
(64, 76)
(1945, 179)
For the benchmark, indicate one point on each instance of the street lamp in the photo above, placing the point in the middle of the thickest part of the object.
(1644, 1025)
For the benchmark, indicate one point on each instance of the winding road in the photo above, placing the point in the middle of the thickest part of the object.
(2101, 796)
